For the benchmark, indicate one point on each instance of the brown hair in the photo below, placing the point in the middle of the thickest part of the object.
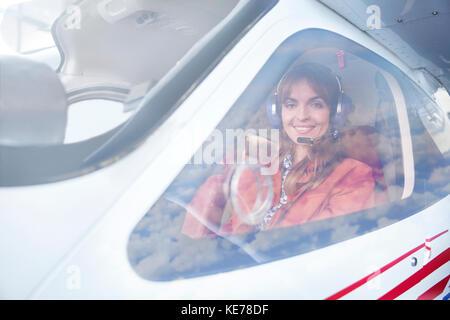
(323, 156)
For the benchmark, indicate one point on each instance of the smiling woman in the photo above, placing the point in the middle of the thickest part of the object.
(314, 181)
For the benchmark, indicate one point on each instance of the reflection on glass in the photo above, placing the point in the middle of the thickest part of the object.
(338, 174)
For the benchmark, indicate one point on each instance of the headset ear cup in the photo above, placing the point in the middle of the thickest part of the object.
(346, 107)
(273, 112)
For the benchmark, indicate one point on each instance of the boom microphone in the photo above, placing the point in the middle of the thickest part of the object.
(310, 141)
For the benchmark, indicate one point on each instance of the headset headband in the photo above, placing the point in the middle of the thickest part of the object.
(341, 93)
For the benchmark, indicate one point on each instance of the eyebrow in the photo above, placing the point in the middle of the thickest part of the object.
(309, 100)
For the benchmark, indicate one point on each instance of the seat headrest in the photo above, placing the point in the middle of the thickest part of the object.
(33, 103)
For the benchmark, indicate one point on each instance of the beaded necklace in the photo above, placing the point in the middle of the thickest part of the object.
(286, 168)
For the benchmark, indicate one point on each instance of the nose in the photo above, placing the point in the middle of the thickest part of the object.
(302, 112)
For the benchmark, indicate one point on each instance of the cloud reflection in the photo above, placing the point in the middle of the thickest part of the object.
(159, 251)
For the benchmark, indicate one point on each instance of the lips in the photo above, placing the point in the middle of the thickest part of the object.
(303, 129)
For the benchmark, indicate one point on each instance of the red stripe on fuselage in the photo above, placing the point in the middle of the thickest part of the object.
(361, 282)
(441, 259)
(435, 290)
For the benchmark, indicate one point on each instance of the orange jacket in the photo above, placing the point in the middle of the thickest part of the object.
(348, 188)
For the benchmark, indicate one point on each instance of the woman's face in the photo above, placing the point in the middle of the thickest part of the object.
(304, 113)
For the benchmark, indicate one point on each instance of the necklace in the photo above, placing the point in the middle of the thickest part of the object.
(286, 168)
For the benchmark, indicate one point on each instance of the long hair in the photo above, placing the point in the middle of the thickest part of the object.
(323, 157)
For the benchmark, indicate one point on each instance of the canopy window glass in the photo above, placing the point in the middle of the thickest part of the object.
(220, 214)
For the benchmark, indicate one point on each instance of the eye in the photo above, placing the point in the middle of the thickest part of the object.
(289, 105)
(317, 105)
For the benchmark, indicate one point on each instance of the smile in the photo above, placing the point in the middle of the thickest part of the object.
(303, 129)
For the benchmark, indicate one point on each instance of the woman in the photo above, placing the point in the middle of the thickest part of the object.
(315, 181)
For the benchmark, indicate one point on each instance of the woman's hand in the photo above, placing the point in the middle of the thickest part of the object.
(259, 150)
